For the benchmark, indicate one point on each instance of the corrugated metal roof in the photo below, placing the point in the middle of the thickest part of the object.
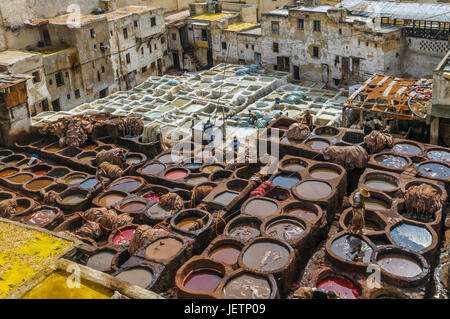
(437, 12)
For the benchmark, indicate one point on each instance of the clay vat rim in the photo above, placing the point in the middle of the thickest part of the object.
(307, 205)
(8, 178)
(53, 181)
(283, 161)
(236, 221)
(324, 127)
(420, 174)
(248, 200)
(163, 261)
(13, 155)
(321, 199)
(346, 214)
(175, 220)
(272, 220)
(378, 195)
(336, 168)
(422, 149)
(315, 138)
(434, 237)
(380, 174)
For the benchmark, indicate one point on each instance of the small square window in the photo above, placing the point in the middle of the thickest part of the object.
(144, 69)
(59, 79)
(135, 24)
(67, 74)
(174, 36)
(275, 28)
(340, 31)
(92, 33)
(246, 45)
(68, 96)
(103, 69)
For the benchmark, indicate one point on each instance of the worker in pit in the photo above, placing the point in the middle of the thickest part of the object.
(208, 131)
(308, 119)
(358, 209)
(252, 118)
(235, 144)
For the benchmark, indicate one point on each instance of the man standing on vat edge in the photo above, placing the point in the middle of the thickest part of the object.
(358, 209)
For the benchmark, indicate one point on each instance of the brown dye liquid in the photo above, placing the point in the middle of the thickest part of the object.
(324, 173)
(87, 158)
(90, 147)
(244, 232)
(188, 223)
(227, 253)
(400, 265)
(22, 207)
(375, 204)
(203, 280)
(138, 276)
(53, 149)
(110, 199)
(317, 144)
(380, 184)
(163, 249)
(21, 178)
(73, 199)
(132, 207)
(293, 166)
(247, 286)
(266, 256)
(314, 189)
(157, 211)
(8, 172)
(74, 179)
(260, 207)
(41, 217)
(285, 229)
(39, 184)
(307, 214)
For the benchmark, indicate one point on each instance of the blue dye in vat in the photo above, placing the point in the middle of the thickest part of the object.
(435, 170)
(285, 180)
(411, 236)
(89, 183)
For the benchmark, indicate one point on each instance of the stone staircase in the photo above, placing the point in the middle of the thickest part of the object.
(189, 53)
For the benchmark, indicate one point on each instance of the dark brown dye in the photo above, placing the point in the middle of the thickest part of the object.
(317, 144)
(314, 189)
(203, 280)
(380, 184)
(304, 213)
(138, 276)
(189, 223)
(244, 232)
(131, 207)
(163, 249)
(227, 253)
(265, 256)
(260, 208)
(285, 229)
(247, 286)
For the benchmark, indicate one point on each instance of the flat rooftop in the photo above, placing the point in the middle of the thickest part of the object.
(240, 26)
(213, 16)
(10, 57)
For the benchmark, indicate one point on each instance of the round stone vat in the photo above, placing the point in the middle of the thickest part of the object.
(284, 227)
(195, 179)
(192, 164)
(374, 222)
(134, 206)
(109, 198)
(242, 284)
(247, 172)
(87, 157)
(392, 161)
(401, 267)
(141, 275)
(220, 175)
(53, 148)
(304, 210)
(286, 180)
(293, 164)
(40, 169)
(58, 172)
(350, 250)
(6, 195)
(5, 153)
(414, 236)
(243, 228)
(279, 193)
(176, 174)
(164, 250)
(260, 207)
(36, 184)
(135, 159)
(226, 250)
(341, 285)
(317, 144)
(128, 184)
(8, 171)
(73, 198)
(169, 157)
(44, 216)
(313, 190)
(323, 171)
(74, 178)
(381, 182)
(21, 178)
(437, 170)
(121, 236)
(326, 131)
(407, 148)
(24, 207)
(101, 259)
(12, 160)
(266, 255)
(153, 168)
(211, 168)
(90, 183)
(200, 277)
(192, 222)
(237, 185)
(439, 154)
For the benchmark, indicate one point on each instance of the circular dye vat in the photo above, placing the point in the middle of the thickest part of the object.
(123, 236)
(101, 261)
(211, 168)
(380, 183)
(163, 249)
(226, 253)
(304, 213)
(153, 169)
(259, 207)
(131, 160)
(375, 204)
(138, 276)
(247, 286)
(345, 288)
(90, 147)
(192, 165)
(125, 184)
(407, 149)
(204, 279)
(21, 178)
(285, 180)
(169, 158)
(22, 205)
(392, 161)
(89, 183)
(157, 211)
(399, 265)
(110, 199)
(73, 198)
(411, 236)
(285, 229)
(196, 180)
(41, 217)
(317, 144)
(40, 172)
(324, 173)
(265, 256)
(8, 172)
(352, 248)
(53, 149)
(152, 196)
(225, 198)
(75, 179)
(293, 165)
(314, 189)
(38, 184)
(244, 232)
(132, 207)
(434, 170)
(176, 174)
(189, 223)
(439, 155)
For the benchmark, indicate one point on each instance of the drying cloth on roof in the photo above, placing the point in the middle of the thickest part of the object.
(297, 131)
(171, 202)
(350, 157)
(50, 197)
(378, 140)
(422, 201)
(143, 235)
(8, 208)
(201, 192)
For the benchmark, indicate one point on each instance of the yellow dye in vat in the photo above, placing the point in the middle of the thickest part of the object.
(239, 26)
(212, 16)
(55, 287)
(25, 252)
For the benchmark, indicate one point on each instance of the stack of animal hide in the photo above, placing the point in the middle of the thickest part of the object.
(378, 140)
(350, 157)
(422, 201)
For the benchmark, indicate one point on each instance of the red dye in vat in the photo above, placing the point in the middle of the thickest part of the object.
(154, 197)
(118, 239)
(343, 287)
(177, 174)
(203, 279)
(40, 172)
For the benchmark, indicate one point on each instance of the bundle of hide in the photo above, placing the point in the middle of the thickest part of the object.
(378, 140)
(422, 201)
(350, 157)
